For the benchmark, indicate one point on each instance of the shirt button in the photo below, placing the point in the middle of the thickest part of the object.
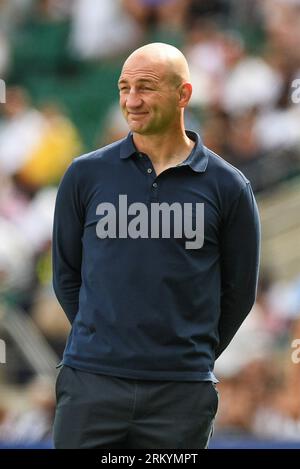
(154, 185)
(141, 155)
(149, 170)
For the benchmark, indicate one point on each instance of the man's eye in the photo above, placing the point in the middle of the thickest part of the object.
(123, 88)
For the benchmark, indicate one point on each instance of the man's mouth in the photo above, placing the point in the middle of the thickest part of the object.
(137, 114)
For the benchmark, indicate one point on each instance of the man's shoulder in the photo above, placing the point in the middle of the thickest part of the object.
(225, 172)
(97, 156)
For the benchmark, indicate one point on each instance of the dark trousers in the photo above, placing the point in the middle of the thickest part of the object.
(99, 411)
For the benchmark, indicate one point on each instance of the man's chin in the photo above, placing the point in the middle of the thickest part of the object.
(138, 129)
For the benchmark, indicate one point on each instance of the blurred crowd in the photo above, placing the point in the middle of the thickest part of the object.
(60, 61)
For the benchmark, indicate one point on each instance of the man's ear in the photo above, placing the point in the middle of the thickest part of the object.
(185, 94)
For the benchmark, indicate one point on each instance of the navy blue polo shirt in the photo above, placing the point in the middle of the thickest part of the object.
(141, 303)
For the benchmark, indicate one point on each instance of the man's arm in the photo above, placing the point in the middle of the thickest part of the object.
(66, 248)
(240, 246)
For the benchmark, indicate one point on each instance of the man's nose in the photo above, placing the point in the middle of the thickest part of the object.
(133, 99)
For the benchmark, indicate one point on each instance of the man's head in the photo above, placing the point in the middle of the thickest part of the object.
(154, 89)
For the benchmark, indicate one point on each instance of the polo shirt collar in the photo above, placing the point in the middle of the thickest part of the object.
(197, 159)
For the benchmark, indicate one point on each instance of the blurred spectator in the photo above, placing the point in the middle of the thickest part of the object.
(242, 145)
(155, 13)
(36, 222)
(241, 91)
(58, 144)
(241, 394)
(279, 418)
(205, 55)
(20, 130)
(278, 128)
(13, 201)
(101, 29)
(36, 146)
(214, 131)
(15, 258)
(34, 424)
(282, 25)
(216, 9)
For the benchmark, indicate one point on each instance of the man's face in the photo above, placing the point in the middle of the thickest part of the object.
(148, 97)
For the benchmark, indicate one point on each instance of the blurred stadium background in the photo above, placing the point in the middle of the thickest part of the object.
(60, 60)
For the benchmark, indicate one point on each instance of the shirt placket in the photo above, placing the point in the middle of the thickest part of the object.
(153, 179)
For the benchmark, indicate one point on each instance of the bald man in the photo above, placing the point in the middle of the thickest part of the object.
(155, 263)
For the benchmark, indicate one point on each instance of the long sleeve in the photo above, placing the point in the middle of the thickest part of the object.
(240, 251)
(66, 247)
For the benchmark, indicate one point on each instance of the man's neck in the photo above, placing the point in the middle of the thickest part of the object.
(164, 151)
